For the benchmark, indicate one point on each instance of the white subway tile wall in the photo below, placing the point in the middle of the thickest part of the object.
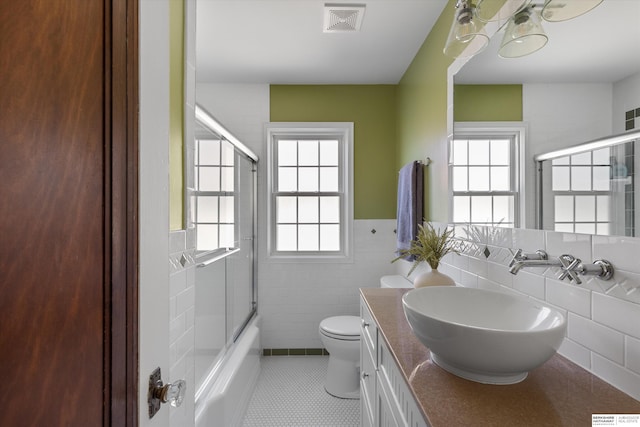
(603, 334)
(182, 321)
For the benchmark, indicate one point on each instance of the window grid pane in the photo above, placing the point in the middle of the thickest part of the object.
(330, 237)
(287, 153)
(308, 237)
(286, 210)
(308, 210)
(287, 179)
(329, 179)
(329, 154)
(308, 153)
(330, 210)
(308, 179)
(286, 237)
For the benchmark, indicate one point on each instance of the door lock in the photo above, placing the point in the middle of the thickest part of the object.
(159, 393)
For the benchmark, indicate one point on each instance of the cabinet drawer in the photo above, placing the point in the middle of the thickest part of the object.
(368, 329)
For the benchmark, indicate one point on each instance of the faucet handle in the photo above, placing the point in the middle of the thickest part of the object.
(569, 265)
(516, 257)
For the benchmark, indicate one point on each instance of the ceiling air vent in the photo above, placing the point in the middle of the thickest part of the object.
(340, 18)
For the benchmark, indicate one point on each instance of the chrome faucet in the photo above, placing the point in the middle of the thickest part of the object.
(537, 259)
(571, 266)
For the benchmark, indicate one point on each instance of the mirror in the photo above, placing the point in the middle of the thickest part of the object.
(582, 86)
(589, 188)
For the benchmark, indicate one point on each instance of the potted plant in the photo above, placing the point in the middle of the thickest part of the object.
(430, 246)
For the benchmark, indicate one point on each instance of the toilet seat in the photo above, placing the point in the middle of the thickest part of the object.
(345, 328)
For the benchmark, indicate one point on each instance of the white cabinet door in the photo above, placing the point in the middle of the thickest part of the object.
(400, 397)
(387, 414)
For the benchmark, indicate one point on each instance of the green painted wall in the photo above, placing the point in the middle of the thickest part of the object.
(422, 115)
(487, 103)
(372, 109)
(176, 113)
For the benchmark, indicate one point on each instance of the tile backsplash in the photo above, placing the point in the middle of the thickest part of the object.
(603, 334)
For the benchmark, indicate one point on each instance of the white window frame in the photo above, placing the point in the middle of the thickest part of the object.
(476, 130)
(344, 130)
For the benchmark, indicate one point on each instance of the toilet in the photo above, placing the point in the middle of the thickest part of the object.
(340, 335)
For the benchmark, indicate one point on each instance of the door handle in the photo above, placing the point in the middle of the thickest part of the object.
(172, 393)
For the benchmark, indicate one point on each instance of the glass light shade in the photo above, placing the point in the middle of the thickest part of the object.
(487, 10)
(562, 10)
(467, 36)
(523, 36)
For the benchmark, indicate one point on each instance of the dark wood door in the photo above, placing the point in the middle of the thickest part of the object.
(67, 267)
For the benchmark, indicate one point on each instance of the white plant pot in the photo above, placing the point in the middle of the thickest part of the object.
(432, 278)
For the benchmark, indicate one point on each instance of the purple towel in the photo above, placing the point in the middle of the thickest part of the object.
(409, 213)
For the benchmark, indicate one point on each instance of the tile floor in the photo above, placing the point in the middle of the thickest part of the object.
(290, 393)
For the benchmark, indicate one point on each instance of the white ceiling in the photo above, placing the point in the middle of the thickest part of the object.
(282, 42)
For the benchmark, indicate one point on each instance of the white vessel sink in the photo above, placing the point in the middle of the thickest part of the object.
(483, 336)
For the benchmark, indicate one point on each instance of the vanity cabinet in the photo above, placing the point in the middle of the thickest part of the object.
(385, 399)
(410, 390)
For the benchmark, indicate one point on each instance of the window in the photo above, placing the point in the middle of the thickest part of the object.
(215, 169)
(581, 188)
(485, 174)
(310, 182)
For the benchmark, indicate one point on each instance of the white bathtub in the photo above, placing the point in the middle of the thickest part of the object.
(225, 398)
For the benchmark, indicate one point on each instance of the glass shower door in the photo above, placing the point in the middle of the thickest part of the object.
(223, 210)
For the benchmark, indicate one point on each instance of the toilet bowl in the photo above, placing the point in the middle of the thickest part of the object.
(340, 335)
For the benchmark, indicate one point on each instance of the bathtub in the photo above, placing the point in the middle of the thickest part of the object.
(227, 391)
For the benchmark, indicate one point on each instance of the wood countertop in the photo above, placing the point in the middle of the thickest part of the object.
(558, 393)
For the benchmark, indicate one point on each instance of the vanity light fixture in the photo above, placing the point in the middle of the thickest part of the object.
(563, 10)
(467, 36)
(524, 33)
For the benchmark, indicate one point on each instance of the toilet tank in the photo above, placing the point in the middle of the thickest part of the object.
(395, 281)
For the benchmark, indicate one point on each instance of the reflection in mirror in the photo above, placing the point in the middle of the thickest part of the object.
(484, 174)
(583, 85)
(589, 188)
